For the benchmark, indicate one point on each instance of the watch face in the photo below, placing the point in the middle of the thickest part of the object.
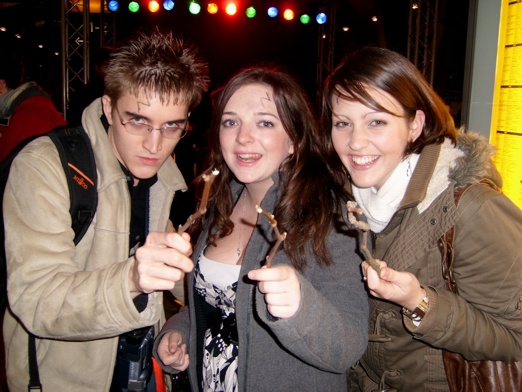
(422, 308)
(419, 312)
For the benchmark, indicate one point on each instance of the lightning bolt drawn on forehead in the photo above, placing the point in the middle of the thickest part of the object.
(143, 103)
(267, 98)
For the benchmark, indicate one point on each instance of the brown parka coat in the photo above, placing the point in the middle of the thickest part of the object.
(485, 320)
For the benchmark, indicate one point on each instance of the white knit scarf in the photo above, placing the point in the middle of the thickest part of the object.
(379, 205)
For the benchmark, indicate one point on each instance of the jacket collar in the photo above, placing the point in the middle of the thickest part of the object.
(271, 195)
(421, 176)
(9, 101)
(466, 163)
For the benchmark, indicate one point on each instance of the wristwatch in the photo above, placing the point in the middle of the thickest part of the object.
(419, 312)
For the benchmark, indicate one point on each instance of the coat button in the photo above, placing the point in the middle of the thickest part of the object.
(445, 209)
(433, 221)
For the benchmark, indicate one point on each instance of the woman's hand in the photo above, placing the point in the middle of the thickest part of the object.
(173, 352)
(403, 288)
(281, 288)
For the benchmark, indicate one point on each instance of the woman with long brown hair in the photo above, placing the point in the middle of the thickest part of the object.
(300, 324)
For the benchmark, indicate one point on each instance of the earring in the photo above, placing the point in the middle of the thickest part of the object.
(408, 168)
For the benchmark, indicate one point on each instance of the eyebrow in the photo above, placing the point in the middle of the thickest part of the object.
(133, 114)
(267, 114)
(374, 112)
(256, 113)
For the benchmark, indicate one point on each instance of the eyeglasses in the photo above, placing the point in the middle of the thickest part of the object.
(138, 126)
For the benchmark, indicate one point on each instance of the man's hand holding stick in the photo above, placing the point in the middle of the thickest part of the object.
(208, 178)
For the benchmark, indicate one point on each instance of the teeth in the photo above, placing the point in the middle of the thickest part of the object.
(249, 157)
(364, 160)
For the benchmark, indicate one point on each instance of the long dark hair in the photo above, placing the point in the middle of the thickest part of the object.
(306, 206)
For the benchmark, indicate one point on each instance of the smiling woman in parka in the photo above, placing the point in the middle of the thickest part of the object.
(391, 135)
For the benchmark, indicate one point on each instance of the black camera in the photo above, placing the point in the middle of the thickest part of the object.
(134, 360)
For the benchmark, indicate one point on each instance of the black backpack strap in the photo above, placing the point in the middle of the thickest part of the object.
(77, 157)
(34, 375)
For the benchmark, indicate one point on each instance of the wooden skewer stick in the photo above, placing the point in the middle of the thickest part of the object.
(364, 228)
(280, 237)
(208, 178)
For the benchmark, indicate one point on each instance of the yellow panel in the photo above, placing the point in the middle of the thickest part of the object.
(506, 119)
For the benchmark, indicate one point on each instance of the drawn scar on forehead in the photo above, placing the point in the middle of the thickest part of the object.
(143, 103)
(267, 98)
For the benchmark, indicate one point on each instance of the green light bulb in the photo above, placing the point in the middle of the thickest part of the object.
(134, 6)
(194, 8)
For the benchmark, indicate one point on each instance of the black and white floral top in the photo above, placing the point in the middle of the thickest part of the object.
(216, 283)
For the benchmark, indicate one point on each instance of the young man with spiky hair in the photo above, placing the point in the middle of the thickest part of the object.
(95, 307)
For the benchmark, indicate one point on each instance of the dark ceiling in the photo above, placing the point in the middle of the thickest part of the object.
(231, 44)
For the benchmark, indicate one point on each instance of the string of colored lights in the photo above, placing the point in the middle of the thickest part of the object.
(231, 8)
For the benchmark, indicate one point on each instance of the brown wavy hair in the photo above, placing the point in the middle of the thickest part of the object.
(394, 74)
(306, 207)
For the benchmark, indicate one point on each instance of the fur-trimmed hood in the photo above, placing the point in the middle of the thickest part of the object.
(476, 163)
(466, 163)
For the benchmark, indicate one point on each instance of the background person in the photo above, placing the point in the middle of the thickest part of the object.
(25, 109)
(302, 323)
(389, 135)
(87, 304)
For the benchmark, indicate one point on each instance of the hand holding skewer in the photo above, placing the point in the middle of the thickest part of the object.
(208, 178)
(280, 237)
(364, 228)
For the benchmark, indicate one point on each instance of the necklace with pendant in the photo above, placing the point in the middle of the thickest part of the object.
(240, 223)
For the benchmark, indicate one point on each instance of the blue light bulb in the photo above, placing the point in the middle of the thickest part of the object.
(321, 18)
(168, 5)
(113, 5)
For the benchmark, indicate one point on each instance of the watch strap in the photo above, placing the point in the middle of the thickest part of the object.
(419, 312)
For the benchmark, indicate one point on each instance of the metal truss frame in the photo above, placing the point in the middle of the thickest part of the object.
(326, 45)
(76, 41)
(422, 36)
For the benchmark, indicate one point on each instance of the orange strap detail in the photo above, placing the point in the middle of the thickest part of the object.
(158, 375)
